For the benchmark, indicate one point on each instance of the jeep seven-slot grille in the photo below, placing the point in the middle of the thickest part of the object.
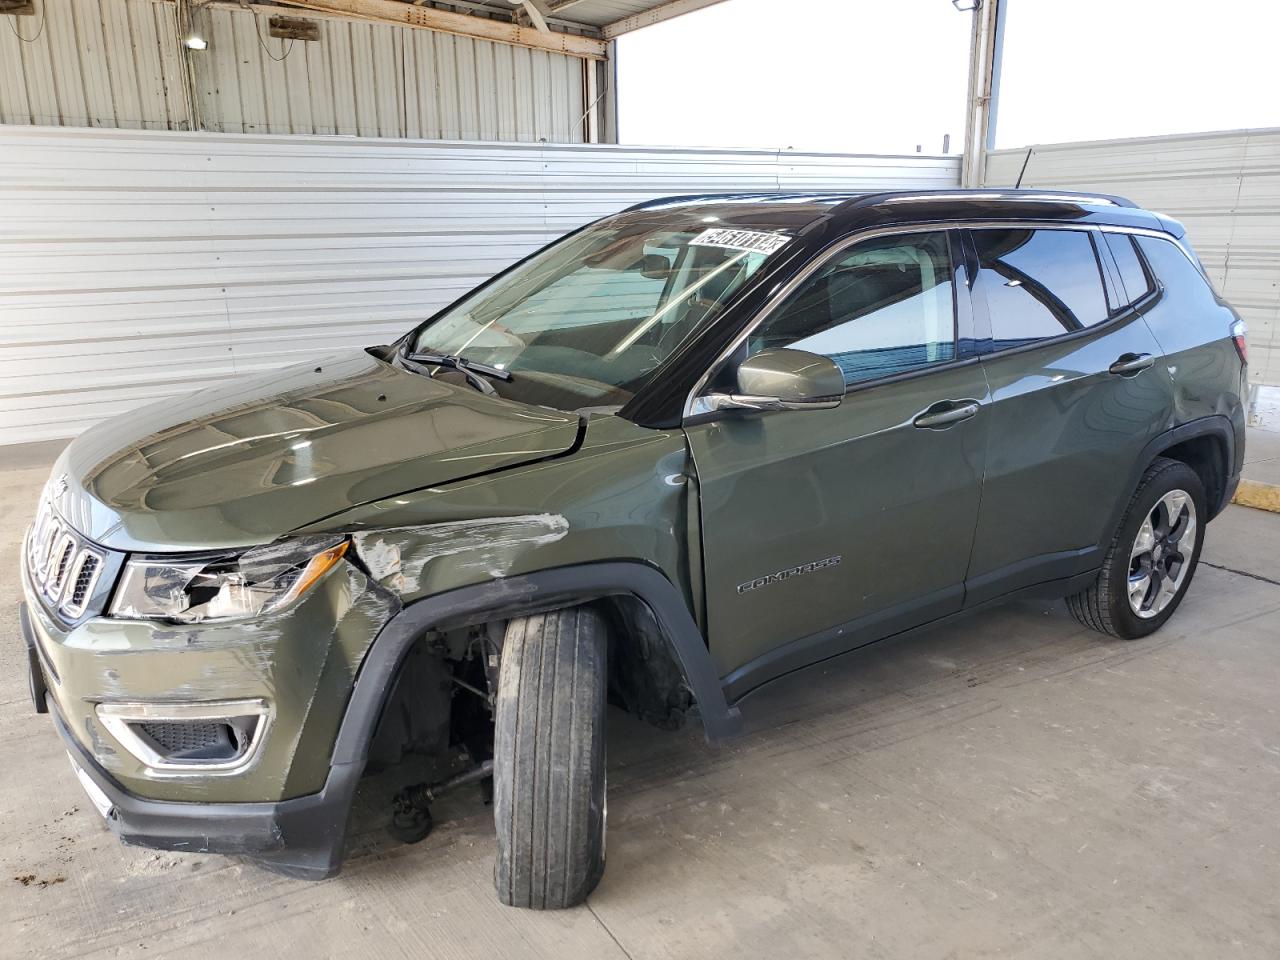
(63, 566)
(86, 577)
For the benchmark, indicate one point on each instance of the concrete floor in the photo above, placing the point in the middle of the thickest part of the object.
(1262, 445)
(1008, 786)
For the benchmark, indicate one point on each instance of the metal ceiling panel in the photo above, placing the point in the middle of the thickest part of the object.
(625, 14)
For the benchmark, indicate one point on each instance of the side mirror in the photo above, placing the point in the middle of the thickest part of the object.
(654, 266)
(781, 379)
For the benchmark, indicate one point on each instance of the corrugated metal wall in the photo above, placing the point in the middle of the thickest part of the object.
(140, 264)
(1224, 186)
(114, 63)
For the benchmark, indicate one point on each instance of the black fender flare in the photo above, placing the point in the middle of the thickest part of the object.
(527, 593)
(308, 833)
(1215, 425)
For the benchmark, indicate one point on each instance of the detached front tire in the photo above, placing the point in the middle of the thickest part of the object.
(549, 759)
(1152, 558)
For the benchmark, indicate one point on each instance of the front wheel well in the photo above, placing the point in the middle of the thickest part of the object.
(645, 676)
(448, 677)
(1207, 456)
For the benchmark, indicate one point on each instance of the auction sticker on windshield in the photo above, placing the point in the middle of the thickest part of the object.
(754, 241)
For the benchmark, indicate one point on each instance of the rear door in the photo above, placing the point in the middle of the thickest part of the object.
(826, 528)
(1075, 395)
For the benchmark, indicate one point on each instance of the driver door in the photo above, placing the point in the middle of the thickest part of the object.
(824, 529)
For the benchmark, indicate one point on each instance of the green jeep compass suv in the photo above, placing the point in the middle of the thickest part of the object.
(674, 455)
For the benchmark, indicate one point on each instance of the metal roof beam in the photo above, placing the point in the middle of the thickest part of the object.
(480, 8)
(674, 8)
(460, 24)
(533, 9)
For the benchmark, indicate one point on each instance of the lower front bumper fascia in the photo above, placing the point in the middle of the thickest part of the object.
(301, 838)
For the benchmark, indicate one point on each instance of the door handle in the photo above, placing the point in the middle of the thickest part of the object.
(944, 413)
(1131, 363)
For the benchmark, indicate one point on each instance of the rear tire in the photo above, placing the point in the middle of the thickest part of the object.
(549, 751)
(1129, 600)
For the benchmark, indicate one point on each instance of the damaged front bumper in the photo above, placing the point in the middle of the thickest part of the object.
(284, 679)
(301, 837)
(284, 682)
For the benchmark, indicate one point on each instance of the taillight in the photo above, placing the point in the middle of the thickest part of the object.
(1239, 332)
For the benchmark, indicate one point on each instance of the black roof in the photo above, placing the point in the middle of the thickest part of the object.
(846, 211)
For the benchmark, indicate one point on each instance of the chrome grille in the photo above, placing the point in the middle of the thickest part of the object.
(62, 565)
(84, 577)
(55, 577)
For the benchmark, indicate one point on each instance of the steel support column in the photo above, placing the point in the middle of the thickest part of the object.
(985, 47)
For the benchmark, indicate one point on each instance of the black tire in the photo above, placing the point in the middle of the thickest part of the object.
(1104, 605)
(549, 759)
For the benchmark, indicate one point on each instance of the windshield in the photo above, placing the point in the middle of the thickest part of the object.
(584, 322)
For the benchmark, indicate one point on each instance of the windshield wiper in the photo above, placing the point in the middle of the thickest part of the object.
(474, 372)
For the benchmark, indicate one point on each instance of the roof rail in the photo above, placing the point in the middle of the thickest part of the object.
(674, 198)
(1051, 196)
(743, 195)
(854, 200)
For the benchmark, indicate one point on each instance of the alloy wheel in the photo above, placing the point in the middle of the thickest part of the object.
(1162, 552)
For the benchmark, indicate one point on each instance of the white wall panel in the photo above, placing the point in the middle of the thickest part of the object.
(138, 265)
(90, 64)
(1224, 186)
(114, 63)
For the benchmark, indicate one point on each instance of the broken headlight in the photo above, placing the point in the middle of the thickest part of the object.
(225, 586)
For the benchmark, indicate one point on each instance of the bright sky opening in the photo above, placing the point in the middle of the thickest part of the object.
(867, 77)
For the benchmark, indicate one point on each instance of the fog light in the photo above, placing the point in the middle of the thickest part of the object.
(189, 738)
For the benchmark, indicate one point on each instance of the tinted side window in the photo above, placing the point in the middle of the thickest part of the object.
(1038, 283)
(1183, 282)
(884, 306)
(1133, 273)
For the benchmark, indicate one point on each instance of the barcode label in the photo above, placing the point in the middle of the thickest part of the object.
(752, 240)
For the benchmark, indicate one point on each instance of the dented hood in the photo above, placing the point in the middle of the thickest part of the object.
(251, 460)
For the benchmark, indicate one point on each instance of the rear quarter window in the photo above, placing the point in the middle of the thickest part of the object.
(1134, 276)
(1188, 313)
(1181, 278)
